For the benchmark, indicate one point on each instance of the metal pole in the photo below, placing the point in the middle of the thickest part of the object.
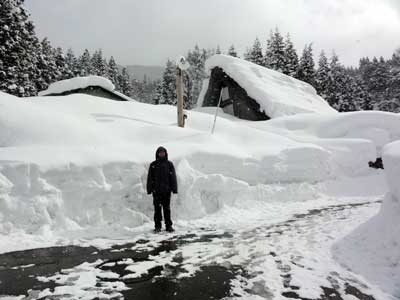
(179, 94)
(216, 110)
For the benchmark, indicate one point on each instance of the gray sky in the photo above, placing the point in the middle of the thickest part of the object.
(149, 31)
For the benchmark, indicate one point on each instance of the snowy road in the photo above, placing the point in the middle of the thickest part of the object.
(289, 259)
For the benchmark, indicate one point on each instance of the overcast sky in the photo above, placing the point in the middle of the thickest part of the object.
(148, 32)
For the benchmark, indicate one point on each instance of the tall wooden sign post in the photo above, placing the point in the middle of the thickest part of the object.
(181, 66)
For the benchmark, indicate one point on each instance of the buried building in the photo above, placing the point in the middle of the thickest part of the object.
(91, 85)
(252, 92)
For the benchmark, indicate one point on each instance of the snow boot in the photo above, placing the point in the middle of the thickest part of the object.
(157, 230)
(170, 229)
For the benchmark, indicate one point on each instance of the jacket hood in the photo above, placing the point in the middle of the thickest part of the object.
(159, 150)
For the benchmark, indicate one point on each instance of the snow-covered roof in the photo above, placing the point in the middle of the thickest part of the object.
(62, 86)
(278, 94)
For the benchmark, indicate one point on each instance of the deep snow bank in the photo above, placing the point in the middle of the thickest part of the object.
(352, 138)
(373, 249)
(76, 161)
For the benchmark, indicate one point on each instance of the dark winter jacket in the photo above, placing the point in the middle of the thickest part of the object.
(162, 177)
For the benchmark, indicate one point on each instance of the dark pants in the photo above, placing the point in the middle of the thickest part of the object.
(162, 201)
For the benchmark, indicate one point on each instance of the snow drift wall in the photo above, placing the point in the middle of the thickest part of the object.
(79, 161)
(114, 196)
(373, 249)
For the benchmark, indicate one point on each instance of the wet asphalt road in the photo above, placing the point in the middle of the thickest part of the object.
(210, 282)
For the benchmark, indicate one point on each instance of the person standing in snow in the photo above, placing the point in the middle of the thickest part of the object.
(161, 181)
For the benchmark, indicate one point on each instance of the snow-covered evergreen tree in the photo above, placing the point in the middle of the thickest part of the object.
(46, 66)
(394, 83)
(255, 54)
(361, 97)
(322, 76)
(168, 85)
(99, 66)
(113, 72)
(342, 88)
(377, 78)
(196, 72)
(275, 53)
(18, 50)
(158, 97)
(124, 83)
(335, 82)
(72, 63)
(138, 89)
(85, 64)
(232, 51)
(306, 70)
(61, 62)
(291, 58)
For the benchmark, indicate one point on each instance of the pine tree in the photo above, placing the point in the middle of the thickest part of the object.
(113, 73)
(72, 63)
(218, 51)
(124, 83)
(63, 70)
(341, 88)
(99, 66)
(322, 76)
(232, 51)
(291, 59)
(255, 54)
(138, 90)
(394, 83)
(168, 85)
(377, 78)
(247, 54)
(306, 71)
(158, 98)
(46, 64)
(275, 53)
(335, 82)
(197, 74)
(361, 96)
(85, 64)
(18, 50)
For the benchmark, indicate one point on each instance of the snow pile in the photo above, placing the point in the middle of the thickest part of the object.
(379, 127)
(352, 138)
(278, 94)
(81, 162)
(373, 249)
(76, 83)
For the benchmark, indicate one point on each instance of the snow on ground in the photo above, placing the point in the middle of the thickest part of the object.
(66, 85)
(73, 171)
(73, 162)
(373, 249)
(278, 94)
(283, 251)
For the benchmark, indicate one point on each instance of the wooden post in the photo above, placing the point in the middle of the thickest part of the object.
(179, 95)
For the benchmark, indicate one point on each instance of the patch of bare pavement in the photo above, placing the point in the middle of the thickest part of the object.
(20, 272)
